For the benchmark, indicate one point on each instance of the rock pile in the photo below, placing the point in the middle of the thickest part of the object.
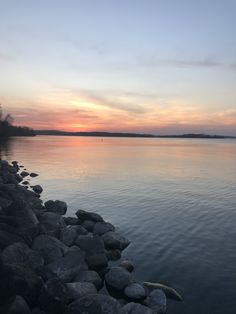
(50, 263)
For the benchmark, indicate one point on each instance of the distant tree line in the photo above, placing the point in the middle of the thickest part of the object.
(7, 129)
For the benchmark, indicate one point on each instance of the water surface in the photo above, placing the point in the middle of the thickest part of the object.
(175, 199)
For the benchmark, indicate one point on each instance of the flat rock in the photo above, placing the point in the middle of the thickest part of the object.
(118, 278)
(102, 227)
(156, 300)
(113, 240)
(136, 308)
(135, 291)
(50, 248)
(89, 276)
(84, 215)
(77, 290)
(94, 303)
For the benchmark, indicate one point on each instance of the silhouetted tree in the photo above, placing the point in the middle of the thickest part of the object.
(7, 129)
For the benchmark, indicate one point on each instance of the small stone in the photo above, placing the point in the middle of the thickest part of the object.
(37, 188)
(33, 174)
(24, 173)
(135, 291)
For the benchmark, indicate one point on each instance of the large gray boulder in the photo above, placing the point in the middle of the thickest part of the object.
(89, 276)
(118, 278)
(156, 300)
(135, 291)
(113, 240)
(102, 227)
(20, 253)
(136, 308)
(94, 303)
(77, 290)
(50, 248)
(68, 266)
(84, 215)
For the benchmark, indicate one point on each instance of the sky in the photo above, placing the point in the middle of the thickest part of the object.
(149, 66)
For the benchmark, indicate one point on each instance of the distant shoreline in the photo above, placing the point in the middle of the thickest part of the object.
(133, 135)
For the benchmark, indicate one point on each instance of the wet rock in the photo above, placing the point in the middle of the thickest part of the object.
(135, 308)
(135, 291)
(16, 305)
(118, 278)
(25, 182)
(49, 247)
(84, 215)
(88, 225)
(53, 297)
(37, 189)
(58, 207)
(102, 227)
(71, 221)
(89, 276)
(77, 290)
(113, 240)
(128, 265)
(113, 255)
(156, 300)
(20, 253)
(94, 303)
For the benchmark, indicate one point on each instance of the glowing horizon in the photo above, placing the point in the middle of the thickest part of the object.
(91, 67)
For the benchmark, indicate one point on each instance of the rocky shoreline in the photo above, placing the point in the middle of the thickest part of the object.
(52, 263)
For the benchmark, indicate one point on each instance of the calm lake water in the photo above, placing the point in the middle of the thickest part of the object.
(175, 199)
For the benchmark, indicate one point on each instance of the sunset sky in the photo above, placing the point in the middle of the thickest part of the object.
(153, 66)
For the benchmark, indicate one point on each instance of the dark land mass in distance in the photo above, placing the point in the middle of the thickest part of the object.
(118, 134)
